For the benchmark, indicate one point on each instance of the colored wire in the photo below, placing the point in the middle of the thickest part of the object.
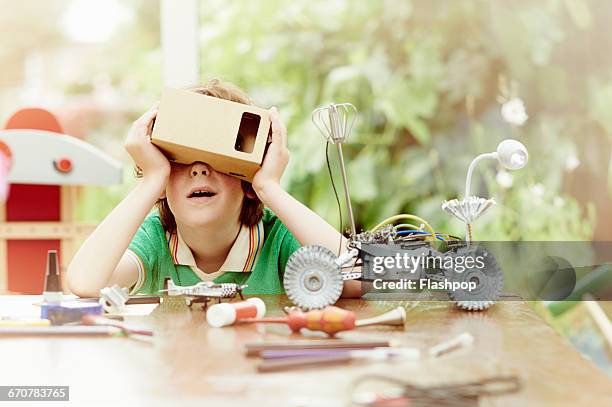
(407, 225)
(404, 216)
(415, 235)
(413, 232)
(331, 178)
(449, 237)
(420, 233)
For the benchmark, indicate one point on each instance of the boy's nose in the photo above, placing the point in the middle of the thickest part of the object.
(200, 168)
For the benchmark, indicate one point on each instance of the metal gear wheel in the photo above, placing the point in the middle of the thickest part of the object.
(489, 281)
(474, 305)
(312, 278)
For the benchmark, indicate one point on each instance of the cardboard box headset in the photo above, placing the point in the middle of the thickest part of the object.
(231, 137)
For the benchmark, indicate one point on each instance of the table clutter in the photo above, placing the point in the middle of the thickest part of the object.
(187, 359)
(330, 320)
(382, 350)
(68, 315)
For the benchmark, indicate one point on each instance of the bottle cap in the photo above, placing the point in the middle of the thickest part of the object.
(220, 315)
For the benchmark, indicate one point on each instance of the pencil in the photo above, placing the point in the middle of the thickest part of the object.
(20, 323)
(60, 330)
(255, 348)
(294, 353)
(338, 356)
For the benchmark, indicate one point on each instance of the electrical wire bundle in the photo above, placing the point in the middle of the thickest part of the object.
(409, 231)
(402, 231)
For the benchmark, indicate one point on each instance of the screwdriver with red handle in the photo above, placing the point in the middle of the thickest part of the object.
(332, 320)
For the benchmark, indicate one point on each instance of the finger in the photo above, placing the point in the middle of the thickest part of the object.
(279, 132)
(146, 125)
(151, 123)
(274, 124)
(148, 116)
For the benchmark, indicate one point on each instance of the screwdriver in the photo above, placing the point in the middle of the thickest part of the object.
(332, 320)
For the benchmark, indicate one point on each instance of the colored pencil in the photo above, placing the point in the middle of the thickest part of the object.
(255, 348)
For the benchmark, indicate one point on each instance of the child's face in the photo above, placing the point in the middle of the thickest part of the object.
(199, 196)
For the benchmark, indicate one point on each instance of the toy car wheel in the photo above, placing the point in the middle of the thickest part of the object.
(489, 281)
(312, 278)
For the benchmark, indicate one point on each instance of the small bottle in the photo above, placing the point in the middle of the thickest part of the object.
(53, 286)
(225, 314)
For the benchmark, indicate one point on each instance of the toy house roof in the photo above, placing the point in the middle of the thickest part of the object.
(46, 157)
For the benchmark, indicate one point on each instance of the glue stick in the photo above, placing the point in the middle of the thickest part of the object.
(225, 314)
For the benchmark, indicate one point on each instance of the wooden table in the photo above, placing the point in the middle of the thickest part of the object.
(189, 363)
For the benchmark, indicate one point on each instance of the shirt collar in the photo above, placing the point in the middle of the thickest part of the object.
(241, 257)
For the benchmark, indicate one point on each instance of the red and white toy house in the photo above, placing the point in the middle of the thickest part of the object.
(46, 168)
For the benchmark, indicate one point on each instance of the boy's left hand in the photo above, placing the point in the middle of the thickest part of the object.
(276, 159)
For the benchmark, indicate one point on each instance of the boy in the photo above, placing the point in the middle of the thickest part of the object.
(208, 227)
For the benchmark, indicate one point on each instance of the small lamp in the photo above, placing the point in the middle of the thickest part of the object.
(512, 155)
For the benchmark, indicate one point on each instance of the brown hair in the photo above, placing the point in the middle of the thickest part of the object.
(252, 208)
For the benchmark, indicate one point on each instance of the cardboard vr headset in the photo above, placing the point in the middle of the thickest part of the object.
(231, 137)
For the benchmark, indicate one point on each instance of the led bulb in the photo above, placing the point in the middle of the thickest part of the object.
(512, 154)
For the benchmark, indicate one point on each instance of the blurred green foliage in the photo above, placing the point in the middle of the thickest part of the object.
(426, 77)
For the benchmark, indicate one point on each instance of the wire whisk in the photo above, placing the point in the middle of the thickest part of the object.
(335, 121)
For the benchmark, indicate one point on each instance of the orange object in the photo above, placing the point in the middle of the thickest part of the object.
(63, 165)
(224, 314)
(330, 320)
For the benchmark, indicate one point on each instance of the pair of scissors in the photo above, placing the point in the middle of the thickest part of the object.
(406, 394)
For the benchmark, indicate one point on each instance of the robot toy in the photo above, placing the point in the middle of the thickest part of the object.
(314, 275)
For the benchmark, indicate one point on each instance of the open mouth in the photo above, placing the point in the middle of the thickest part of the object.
(201, 192)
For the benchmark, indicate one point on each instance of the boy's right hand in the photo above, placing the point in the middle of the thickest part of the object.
(146, 156)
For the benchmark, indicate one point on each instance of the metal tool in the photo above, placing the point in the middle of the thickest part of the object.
(407, 394)
(395, 317)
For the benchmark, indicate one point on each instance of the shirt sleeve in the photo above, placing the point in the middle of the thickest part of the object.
(288, 246)
(144, 251)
